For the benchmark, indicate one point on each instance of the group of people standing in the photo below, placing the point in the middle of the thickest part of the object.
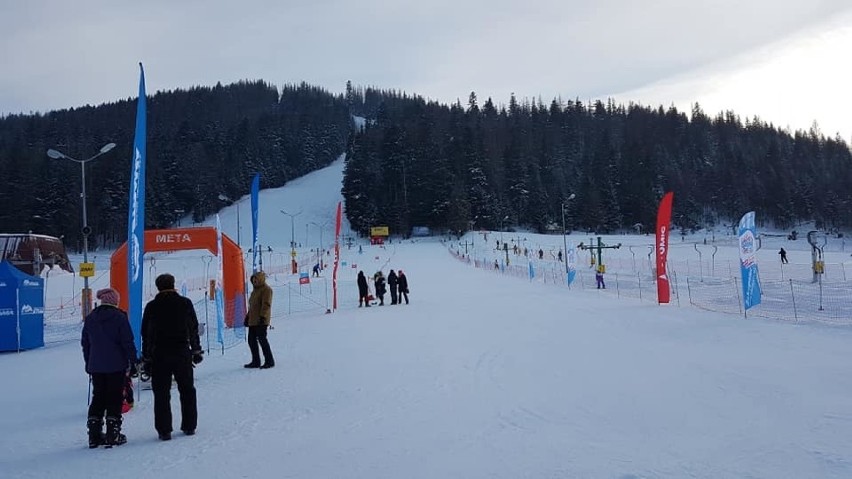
(397, 282)
(171, 348)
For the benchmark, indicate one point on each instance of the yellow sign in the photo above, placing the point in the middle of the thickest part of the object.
(379, 231)
(87, 270)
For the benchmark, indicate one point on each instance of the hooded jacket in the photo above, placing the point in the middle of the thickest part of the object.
(107, 341)
(260, 301)
(363, 290)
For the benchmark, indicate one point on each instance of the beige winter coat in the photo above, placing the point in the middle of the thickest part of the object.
(260, 301)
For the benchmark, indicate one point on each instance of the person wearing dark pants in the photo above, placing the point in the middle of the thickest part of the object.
(179, 366)
(108, 352)
(403, 287)
(393, 283)
(170, 347)
(257, 320)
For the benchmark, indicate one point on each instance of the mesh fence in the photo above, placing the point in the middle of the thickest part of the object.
(827, 299)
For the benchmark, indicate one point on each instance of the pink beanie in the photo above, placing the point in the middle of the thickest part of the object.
(108, 296)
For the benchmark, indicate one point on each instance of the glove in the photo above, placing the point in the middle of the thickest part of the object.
(245, 321)
(145, 369)
(263, 321)
(197, 357)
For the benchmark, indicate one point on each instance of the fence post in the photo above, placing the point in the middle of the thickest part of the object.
(677, 290)
(617, 289)
(689, 291)
(639, 279)
(737, 289)
(793, 295)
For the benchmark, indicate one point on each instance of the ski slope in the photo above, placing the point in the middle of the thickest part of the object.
(483, 375)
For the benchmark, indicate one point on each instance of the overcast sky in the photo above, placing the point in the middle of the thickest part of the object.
(60, 54)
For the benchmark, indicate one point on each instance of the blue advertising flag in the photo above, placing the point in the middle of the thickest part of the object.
(136, 218)
(255, 246)
(220, 300)
(748, 261)
(532, 270)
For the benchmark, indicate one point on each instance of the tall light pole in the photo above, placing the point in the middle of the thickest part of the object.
(321, 250)
(87, 293)
(564, 237)
(225, 198)
(295, 266)
(501, 227)
(179, 212)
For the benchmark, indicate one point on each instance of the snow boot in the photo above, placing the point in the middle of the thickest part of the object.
(96, 433)
(114, 437)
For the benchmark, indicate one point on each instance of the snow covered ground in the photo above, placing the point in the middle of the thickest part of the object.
(483, 375)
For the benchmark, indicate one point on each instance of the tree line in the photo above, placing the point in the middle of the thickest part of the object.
(455, 167)
(416, 162)
(203, 142)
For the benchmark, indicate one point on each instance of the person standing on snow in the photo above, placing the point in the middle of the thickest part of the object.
(379, 280)
(258, 320)
(171, 347)
(108, 353)
(393, 283)
(783, 254)
(363, 290)
(403, 287)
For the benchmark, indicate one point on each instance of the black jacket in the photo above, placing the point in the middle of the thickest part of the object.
(169, 326)
(380, 285)
(362, 284)
(403, 283)
(107, 341)
(392, 280)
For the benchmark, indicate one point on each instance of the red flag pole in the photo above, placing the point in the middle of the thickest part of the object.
(664, 219)
(336, 253)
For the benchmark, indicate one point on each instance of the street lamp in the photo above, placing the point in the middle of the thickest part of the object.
(179, 212)
(225, 198)
(293, 239)
(87, 294)
(321, 250)
(565, 238)
(501, 227)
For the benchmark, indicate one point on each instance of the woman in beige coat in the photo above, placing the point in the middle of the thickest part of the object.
(257, 321)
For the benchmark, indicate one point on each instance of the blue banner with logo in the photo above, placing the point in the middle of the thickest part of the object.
(220, 300)
(136, 218)
(571, 259)
(748, 261)
(255, 247)
(21, 309)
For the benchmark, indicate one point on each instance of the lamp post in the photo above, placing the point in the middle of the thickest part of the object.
(501, 227)
(321, 251)
(225, 198)
(87, 294)
(295, 268)
(564, 237)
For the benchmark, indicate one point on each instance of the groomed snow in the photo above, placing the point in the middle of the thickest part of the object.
(483, 375)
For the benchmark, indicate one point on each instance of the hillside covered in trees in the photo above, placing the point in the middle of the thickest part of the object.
(202, 143)
(420, 163)
(414, 162)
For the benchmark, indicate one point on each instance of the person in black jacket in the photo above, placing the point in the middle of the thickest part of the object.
(171, 346)
(363, 290)
(108, 351)
(379, 280)
(403, 287)
(392, 284)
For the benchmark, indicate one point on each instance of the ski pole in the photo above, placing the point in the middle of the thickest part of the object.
(89, 394)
